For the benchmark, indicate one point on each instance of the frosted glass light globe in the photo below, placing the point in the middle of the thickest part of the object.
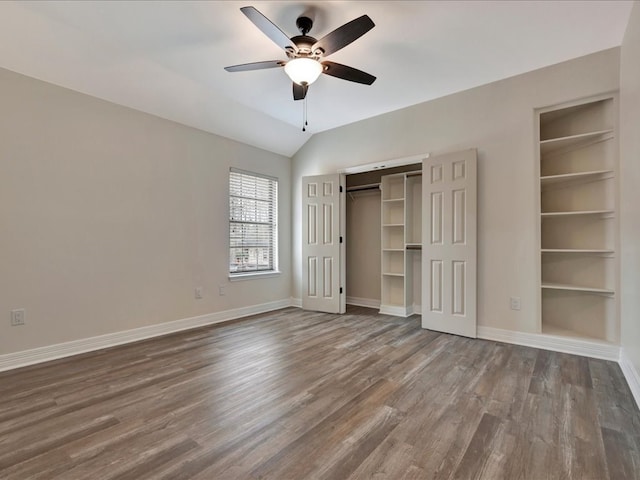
(303, 71)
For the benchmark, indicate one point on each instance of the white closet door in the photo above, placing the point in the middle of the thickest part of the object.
(322, 251)
(449, 243)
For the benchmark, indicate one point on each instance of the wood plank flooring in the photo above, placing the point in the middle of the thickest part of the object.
(305, 395)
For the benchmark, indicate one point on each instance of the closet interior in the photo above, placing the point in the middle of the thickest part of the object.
(383, 238)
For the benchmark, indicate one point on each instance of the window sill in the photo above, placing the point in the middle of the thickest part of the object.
(253, 275)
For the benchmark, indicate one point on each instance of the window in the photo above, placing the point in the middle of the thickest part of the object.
(253, 215)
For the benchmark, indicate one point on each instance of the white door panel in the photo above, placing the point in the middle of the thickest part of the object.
(449, 243)
(321, 247)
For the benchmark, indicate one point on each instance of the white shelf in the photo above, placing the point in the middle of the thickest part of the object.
(572, 141)
(568, 177)
(393, 200)
(576, 250)
(391, 274)
(580, 212)
(392, 187)
(393, 225)
(577, 288)
(564, 332)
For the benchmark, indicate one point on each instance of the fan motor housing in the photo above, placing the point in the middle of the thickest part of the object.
(304, 44)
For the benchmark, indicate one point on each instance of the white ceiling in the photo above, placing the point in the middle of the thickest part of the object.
(166, 58)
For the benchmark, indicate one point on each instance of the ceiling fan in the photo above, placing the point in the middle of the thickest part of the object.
(306, 54)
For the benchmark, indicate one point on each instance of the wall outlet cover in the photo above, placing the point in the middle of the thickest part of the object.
(17, 317)
(515, 303)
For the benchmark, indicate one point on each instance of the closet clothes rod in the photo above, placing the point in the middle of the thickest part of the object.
(358, 188)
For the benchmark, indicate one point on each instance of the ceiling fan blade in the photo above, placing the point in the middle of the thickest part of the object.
(344, 35)
(299, 91)
(347, 73)
(267, 27)
(245, 67)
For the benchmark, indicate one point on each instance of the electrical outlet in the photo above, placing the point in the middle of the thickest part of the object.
(198, 293)
(17, 317)
(222, 290)
(515, 303)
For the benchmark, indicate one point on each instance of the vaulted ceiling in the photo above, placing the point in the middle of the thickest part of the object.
(167, 58)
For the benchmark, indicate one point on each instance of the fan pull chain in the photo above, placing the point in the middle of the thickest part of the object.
(304, 114)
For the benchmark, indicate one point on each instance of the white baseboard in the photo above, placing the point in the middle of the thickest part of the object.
(395, 311)
(363, 302)
(631, 375)
(373, 303)
(586, 348)
(52, 352)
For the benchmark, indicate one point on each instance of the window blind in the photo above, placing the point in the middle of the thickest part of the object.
(253, 211)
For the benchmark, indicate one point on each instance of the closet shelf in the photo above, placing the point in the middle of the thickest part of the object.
(576, 288)
(392, 274)
(393, 200)
(359, 188)
(568, 177)
(393, 224)
(573, 141)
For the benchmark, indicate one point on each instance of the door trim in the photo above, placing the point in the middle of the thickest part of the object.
(395, 162)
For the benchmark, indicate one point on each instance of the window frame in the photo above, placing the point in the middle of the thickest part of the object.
(273, 214)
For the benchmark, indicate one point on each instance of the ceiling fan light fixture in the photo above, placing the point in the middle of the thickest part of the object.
(303, 71)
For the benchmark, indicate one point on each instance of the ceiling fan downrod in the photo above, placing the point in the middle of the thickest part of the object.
(304, 25)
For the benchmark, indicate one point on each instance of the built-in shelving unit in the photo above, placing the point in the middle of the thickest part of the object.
(578, 230)
(401, 239)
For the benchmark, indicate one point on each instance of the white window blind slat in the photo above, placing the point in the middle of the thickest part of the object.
(253, 208)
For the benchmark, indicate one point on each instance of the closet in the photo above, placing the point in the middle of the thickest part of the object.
(383, 230)
(418, 256)
(578, 225)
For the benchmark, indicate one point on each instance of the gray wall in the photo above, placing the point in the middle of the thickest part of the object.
(111, 217)
(630, 187)
(363, 246)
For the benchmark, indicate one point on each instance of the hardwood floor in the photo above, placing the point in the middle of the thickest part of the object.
(305, 395)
